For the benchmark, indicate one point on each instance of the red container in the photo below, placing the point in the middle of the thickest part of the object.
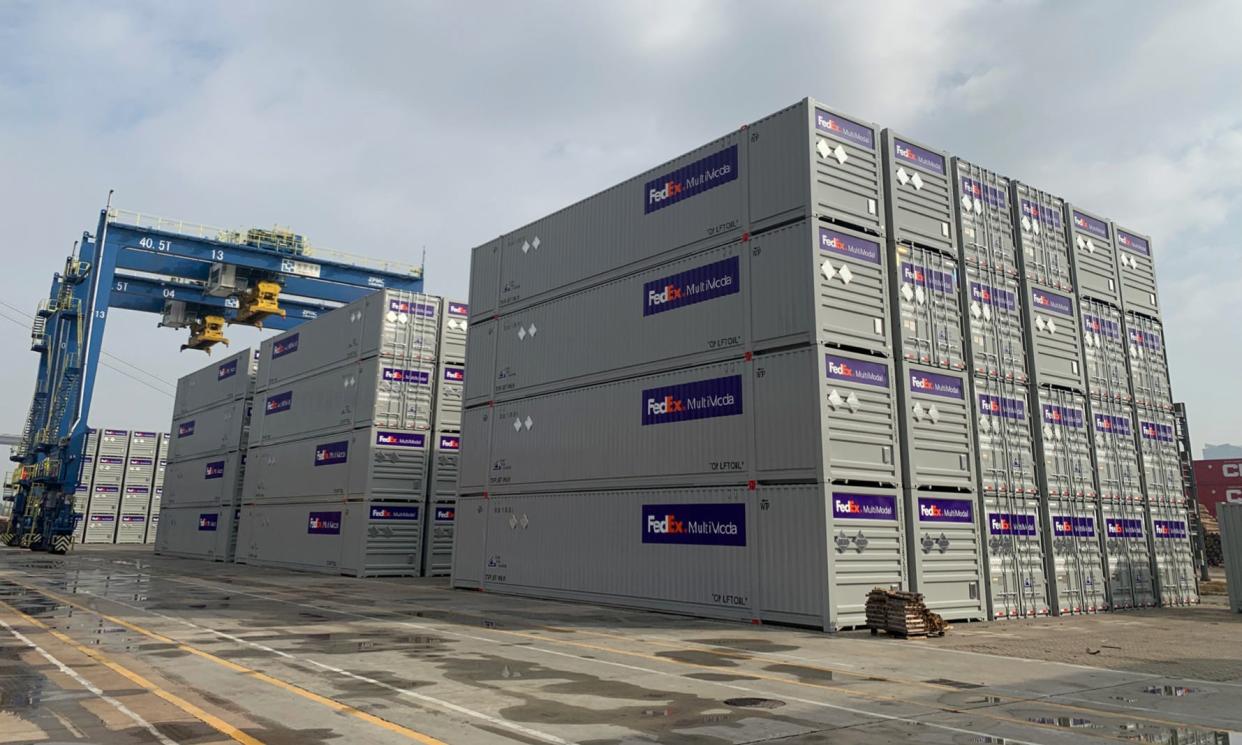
(1218, 481)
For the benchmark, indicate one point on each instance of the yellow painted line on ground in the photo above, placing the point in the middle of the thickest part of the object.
(333, 704)
(207, 718)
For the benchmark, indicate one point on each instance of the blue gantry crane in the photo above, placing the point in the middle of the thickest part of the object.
(194, 277)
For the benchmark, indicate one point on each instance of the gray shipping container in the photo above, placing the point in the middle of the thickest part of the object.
(153, 517)
(1136, 271)
(216, 430)
(1063, 445)
(787, 286)
(1175, 567)
(1116, 451)
(101, 515)
(198, 533)
(1095, 258)
(985, 222)
(1017, 587)
(131, 527)
(937, 432)
(804, 554)
(370, 462)
(1162, 469)
(1149, 369)
(359, 539)
(1080, 584)
(139, 470)
(1104, 351)
(1128, 555)
(143, 444)
(1230, 516)
(721, 423)
(218, 383)
(1007, 463)
(803, 161)
(918, 195)
(375, 391)
(439, 536)
(450, 388)
(945, 555)
(1043, 242)
(206, 481)
(92, 442)
(453, 330)
(997, 336)
(927, 307)
(109, 469)
(114, 442)
(401, 326)
(81, 501)
(1055, 338)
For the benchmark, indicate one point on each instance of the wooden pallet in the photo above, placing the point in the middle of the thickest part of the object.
(901, 614)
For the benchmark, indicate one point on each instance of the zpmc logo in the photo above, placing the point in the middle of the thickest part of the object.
(668, 525)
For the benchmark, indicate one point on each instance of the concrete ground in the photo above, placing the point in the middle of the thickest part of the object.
(115, 645)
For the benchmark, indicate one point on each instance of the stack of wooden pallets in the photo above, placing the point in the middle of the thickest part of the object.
(902, 614)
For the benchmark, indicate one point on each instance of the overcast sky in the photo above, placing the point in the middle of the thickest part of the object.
(381, 128)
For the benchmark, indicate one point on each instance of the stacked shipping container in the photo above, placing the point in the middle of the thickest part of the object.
(206, 461)
(115, 499)
(643, 363)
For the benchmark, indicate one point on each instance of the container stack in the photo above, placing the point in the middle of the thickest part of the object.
(82, 496)
(206, 459)
(157, 489)
(441, 510)
(939, 455)
(106, 483)
(340, 443)
(683, 387)
(1165, 510)
(138, 487)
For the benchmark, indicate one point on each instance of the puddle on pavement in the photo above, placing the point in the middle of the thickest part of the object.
(754, 703)
(719, 677)
(345, 642)
(802, 673)
(1131, 730)
(962, 686)
(1175, 691)
(746, 645)
(701, 657)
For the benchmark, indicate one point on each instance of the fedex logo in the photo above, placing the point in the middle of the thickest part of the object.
(1046, 215)
(458, 309)
(986, 193)
(942, 282)
(417, 377)
(455, 374)
(937, 510)
(696, 285)
(215, 470)
(1091, 225)
(278, 403)
(450, 442)
(412, 308)
(394, 512)
(921, 157)
(1050, 301)
(287, 345)
(849, 245)
(227, 370)
(400, 439)
(1009, 408)
(864, 506)
(1145, 339)
(840, 127)
(936, 385)
(446, 514)
(1133, 243)
(997, 298)
(699, 400)
(331, 453)
(696, 524)
(1064, 415)
(1157, 432)
(1103, 326)
(857, 371)
(208, 521)
(324, 523)
(1003, 523)
(690, 180)
(185, 429)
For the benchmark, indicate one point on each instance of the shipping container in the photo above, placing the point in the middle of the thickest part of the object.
(1136, 271)
(216, 384)
(1104, 351)
(1080, 584)
(198, 532)
(101, 515)
(1149, 369)
(927, 307)
(139, 470)
(1116, 451)
(1055, 340)
(92, 442)
(375, 391)
(1007, 463)
(153, 517)
(1095, 258)
(1043, 243)
(945, 555)
(109, 469)
(722, 423)
(453, 330)
(217, 430)
(802, 554)
(997, 337)
(1162, 467)
(805, 161)
(1017, 587)
(937, 430)
(1218, 472)
(790, 285)
(371, 463)
(114, 443)
(1231, 546)
(359, 539)
(1128, 555)
(81, 502)
(985, 223)
(450, 388)
(918, 195)
(143, 444)
(394, 324)
(131, 527)
(1176, 579)
(210, 480)
(439, 536)
(1063, 445)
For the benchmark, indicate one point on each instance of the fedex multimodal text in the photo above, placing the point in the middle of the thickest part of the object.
(940, 510)
(1132, 242)
(986, 193)
(1116, 527)
(855, 371)
(185, 429)
(454, 374)
(1052, 302)
(394, 512)
(845, 129)
(1117, 426)
(287, 345)
(208, 521)
(1009, 408)
(914, 155)
(1004, 523)
(921, 276)
(702, 399)
(1156, 432)
(1068, 526)
(412, 308)
(696, 524)
(227, 370)
(412, 377)
(1038, 213)
(706, 282)
(993, 296)
(1064, 415)
(847, 506)
(850, 246)
(331, 453)
(936, 384)
(214, 470)
(400, 439)
(1089, 224)
(278, 403)
(324, 523)
(1101, 326)
(689, 180)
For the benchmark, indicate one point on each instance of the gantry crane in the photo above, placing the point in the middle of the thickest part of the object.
(194, 277)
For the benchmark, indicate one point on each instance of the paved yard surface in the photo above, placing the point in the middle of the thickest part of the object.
(114, 645)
